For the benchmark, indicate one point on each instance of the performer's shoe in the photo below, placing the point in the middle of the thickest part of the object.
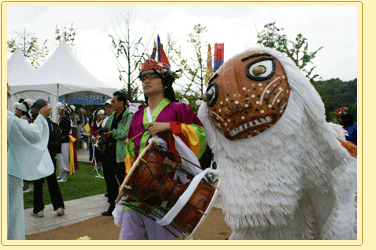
(61, 180)
(60, 211)
(107, 213)
(39, 214)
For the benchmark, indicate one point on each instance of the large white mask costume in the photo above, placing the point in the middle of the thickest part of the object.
(284, 172)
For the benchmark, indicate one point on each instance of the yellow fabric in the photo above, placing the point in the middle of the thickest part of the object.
(128, 161)
(87, 128)
(194, 142)
(71, 154)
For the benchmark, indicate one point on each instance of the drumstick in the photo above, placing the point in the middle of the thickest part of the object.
(134, 137)
(117, 180)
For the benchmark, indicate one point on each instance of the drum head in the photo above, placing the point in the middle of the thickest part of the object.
(134, 167)
(209, 207)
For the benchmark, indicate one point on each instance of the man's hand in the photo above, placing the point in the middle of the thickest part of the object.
(108, 134)
(95, 139)
(45, 111)
(156, 127)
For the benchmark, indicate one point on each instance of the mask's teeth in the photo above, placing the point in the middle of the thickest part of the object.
(250, 124)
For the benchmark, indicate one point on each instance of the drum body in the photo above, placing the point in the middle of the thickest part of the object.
(151, 181)
(152, 177)
(196, 209)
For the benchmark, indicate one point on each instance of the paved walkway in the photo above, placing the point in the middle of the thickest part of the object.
(75, 210)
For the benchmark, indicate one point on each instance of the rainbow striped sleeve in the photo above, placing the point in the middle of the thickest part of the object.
(131, 156)
(193, 135)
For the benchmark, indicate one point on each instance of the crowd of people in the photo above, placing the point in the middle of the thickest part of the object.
(164, 117)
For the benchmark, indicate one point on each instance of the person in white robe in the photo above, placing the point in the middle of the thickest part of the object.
(28, 159)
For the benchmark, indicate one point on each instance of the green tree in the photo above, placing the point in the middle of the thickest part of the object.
(29, 46)
(194, 69)
(130, 51)
(69, 35)
(296, 50)
(171, 49)
(336, 93)
(330, 108)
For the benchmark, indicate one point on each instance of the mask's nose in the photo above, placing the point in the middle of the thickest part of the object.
(232, 90)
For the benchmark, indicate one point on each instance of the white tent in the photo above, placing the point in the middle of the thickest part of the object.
(62, 75)
(18, 67)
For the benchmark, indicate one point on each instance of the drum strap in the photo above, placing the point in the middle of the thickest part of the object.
(182, 201)
(148, 112)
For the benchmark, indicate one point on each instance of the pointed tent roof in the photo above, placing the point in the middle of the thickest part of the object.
(18, 67)
(62, 74)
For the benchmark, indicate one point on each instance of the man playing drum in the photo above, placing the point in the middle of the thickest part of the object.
(165, 118)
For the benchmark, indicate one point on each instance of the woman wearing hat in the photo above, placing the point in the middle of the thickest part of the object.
(65, 127)
(164, 118)
(22, 108)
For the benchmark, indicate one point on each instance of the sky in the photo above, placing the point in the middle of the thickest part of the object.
(333, 27)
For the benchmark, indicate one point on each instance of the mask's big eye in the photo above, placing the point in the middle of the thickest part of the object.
(261, 69)
(212, 93)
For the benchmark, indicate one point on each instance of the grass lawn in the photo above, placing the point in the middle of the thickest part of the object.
(82, 183)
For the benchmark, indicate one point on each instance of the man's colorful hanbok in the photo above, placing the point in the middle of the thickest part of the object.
(184, 124)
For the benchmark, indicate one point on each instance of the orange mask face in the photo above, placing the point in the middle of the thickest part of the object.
(247, 95)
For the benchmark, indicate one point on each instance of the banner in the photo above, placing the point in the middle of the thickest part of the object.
(86, 100)
(219, 51)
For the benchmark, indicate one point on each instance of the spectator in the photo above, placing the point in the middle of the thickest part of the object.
(115, 152)
(83, 117)
(54, 148)
(90, 141)
(76, 116)
(81, 137)
(109, 110)
(95, 126)
(25, 141)
(347, 121)
(22, 108)
(65, 127)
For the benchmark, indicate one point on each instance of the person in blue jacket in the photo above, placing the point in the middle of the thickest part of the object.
(347, 121)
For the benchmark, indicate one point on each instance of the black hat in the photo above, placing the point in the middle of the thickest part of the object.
(37, 105)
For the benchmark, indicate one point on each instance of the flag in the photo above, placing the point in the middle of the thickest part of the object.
(218, 55)
(161, 54)
(209, 67)
(154, 51)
